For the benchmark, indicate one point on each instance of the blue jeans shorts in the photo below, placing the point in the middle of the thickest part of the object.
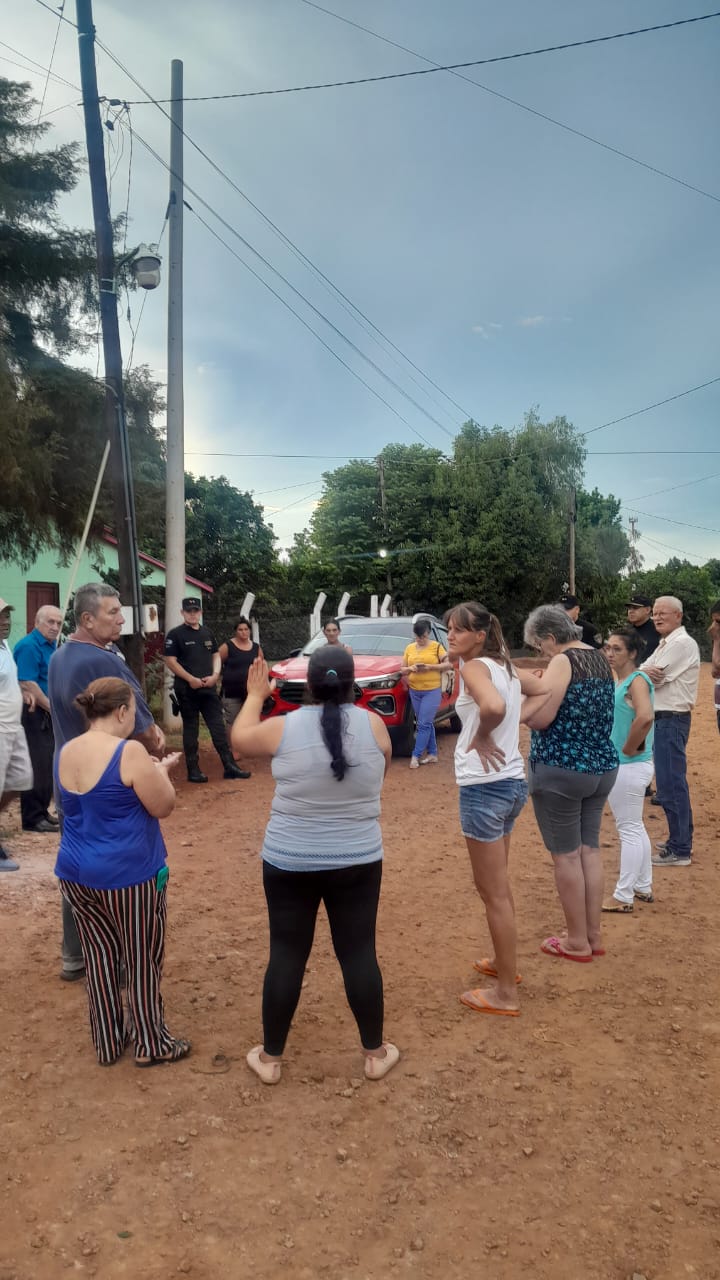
(488, 809)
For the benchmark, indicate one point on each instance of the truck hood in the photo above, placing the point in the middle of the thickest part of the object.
(366, 668)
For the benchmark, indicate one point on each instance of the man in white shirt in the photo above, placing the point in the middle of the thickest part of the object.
(674, 669)
(15, 768)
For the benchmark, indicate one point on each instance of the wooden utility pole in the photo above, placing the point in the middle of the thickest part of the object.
(383, 507)
(573, 521)
(175, 448)
(116, 422)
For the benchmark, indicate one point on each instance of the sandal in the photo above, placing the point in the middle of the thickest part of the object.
(487, 967)
(180, 1049)
(478, 1001)
(617, 907)
(376, 1068)
(268, 1072)
(553, 947)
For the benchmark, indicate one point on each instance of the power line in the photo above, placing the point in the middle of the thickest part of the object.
(687, 484)
(354, 457)
(47, 77)
(345, 301)
(636, 412)
(523, 106)
(685, 524)
(666, 547)
(428, 71)
(302, 320)
(286, 304)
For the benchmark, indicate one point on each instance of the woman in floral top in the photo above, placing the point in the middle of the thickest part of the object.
(573, 765)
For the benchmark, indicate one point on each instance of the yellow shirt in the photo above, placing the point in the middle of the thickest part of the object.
(430, 653)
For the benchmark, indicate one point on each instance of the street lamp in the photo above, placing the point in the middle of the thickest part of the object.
(144, 262)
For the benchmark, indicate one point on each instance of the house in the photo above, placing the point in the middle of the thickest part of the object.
(47, 580)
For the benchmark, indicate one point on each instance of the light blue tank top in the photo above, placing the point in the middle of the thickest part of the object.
(624, 716)
(317, 823)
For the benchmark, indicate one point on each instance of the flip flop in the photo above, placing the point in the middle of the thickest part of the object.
(554, 947)
(617, 908)
(485, 966)
(480, 1004)
(599, 951)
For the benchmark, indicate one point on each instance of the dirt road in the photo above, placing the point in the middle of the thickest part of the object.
(579, 1142)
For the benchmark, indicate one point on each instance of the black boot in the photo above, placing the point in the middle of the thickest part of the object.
(194, 774)
(230, 769)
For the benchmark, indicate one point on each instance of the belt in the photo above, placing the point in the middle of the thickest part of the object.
(663, 715)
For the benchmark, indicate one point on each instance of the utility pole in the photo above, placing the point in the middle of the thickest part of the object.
(383, 507)
(175, 443)
(116, 422)
(573, 521)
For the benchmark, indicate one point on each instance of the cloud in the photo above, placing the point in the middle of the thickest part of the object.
(532, 322)
(487, 330)
(207, 367)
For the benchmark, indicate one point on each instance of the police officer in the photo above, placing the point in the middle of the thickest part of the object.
(590, 633)
(192, 655)
(639, 609)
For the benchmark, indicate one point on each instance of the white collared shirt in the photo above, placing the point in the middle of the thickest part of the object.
(679, 658)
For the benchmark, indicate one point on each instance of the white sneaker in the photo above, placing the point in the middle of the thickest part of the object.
(414, 762)
(429, 760)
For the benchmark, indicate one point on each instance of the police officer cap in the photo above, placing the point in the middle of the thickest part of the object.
(192, 602)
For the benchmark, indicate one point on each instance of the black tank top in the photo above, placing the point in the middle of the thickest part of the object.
(235, 671)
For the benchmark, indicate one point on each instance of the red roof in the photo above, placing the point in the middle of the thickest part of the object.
(158, 564)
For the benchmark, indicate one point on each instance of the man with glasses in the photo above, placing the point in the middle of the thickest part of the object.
(191, 653)
(674, 669)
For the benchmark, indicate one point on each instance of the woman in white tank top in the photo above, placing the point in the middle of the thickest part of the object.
(490, 773)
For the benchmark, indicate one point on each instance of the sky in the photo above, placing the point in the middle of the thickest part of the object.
(515, 263)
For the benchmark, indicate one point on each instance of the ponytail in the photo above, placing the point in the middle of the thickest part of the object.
(331, 672)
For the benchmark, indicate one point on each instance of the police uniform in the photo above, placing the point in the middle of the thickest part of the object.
(193, 647)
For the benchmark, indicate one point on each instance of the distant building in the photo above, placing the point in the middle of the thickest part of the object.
(46, 581)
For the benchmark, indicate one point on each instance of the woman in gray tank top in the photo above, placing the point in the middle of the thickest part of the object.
(322, 844)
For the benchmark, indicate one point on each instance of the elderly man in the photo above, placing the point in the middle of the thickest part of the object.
(15, 768)
(89, 654)
(32, 656)
(639, 616)
(674, 669)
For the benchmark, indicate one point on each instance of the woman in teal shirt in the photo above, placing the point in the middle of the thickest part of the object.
(632, 735)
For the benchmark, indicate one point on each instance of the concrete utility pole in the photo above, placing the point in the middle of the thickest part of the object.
(175, 441)
(383, 507)
(116, 422)
(573, 521)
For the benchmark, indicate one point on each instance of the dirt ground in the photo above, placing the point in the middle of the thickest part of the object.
(578, 1142)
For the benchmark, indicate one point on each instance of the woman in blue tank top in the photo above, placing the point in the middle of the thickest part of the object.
(322, 844)
(112, 872)
(633, 738)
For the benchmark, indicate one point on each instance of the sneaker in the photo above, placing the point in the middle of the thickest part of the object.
(429, 760)
(661, 845)
(668, 858)
(644, 897)
(6, 862)
(414, 763)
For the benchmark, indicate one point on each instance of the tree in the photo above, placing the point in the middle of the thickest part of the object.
(694, 585)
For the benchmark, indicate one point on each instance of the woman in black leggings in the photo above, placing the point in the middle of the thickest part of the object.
(322, 844)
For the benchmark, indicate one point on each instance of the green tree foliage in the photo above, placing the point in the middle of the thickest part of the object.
(695, 585)
(229, 546)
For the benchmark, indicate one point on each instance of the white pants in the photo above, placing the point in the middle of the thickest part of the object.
(626, 802)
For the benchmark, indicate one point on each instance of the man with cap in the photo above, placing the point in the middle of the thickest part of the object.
(590, 634)
(15, 768)
(32, 656)
(639, 611)
(191, 654)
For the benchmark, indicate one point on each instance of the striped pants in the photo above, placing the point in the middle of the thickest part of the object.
(117, 925)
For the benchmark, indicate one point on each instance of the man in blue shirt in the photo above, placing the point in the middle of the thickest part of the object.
(32, 656)
(90, 654)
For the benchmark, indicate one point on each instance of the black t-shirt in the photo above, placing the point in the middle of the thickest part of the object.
(590, 633)
(649, 636)
(193, 647)
(235, 671)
